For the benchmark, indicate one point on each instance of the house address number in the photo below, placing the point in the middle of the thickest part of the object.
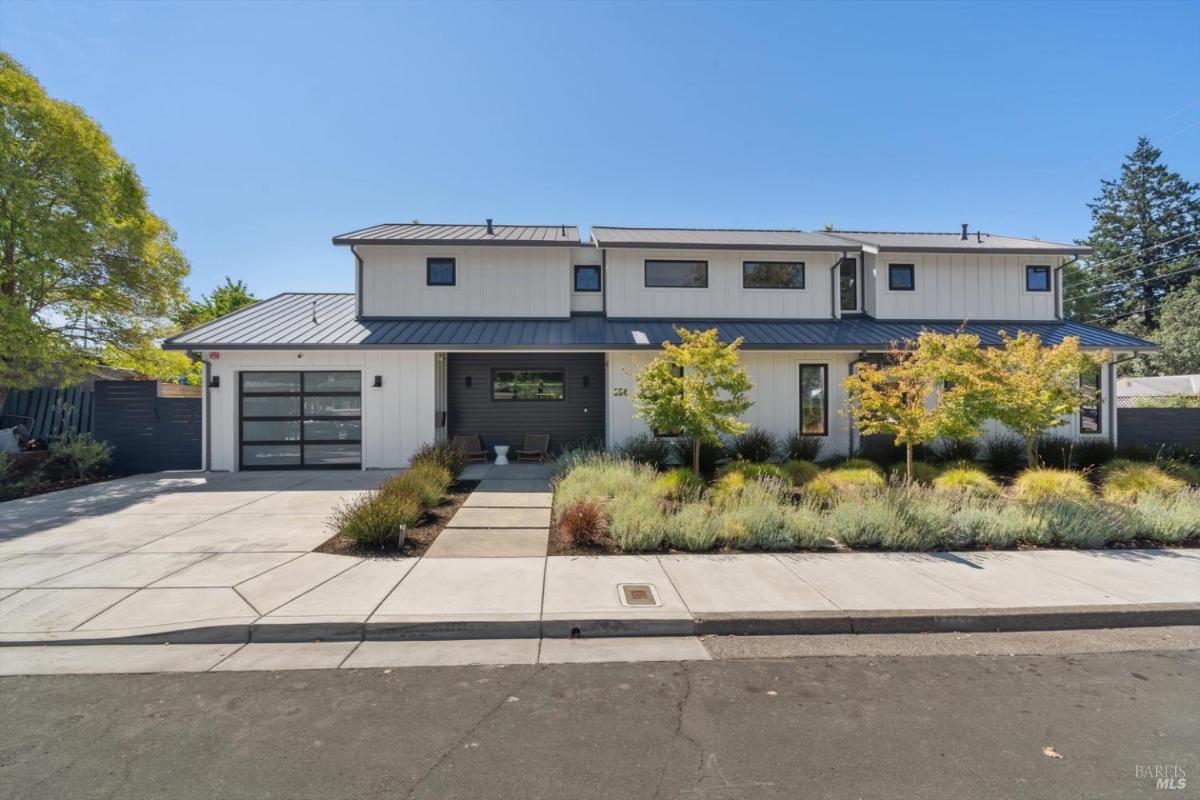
(619, 391)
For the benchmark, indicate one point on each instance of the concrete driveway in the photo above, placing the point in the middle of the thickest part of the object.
(77, 559)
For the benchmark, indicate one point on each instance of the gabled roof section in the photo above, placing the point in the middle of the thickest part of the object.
(316, 321)
(897, 242)
(717, 239)
(421, 233)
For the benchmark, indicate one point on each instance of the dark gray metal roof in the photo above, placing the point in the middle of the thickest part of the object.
(717, 239)
(954, 243)
(419, 233)
(294, 321)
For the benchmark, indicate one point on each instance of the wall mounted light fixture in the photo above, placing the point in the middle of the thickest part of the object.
(378, 381)
(468, 380)
(214, 382)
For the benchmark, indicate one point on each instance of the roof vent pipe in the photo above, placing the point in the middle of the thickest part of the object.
(564, 230)
(964, 231)
(489, 224)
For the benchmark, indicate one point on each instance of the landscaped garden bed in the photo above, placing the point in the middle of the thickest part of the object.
(406, 513)
(617, 503)
(71, 460)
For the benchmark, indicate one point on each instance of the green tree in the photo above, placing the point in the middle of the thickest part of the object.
(696, 387)
(933, 387)
(149, 359)
(1177, 335)
(83, 261)
(1031, 387)
(1146, 237)
(225, 299)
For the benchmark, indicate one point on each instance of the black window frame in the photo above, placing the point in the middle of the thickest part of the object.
(429, 262)
(912, 277)
(800, 264)
(1043, 269)
(599, 277)
(1097, 403)
(824, 398)
(646, 272)
(853, 264)
(495, 370)
(301, 417)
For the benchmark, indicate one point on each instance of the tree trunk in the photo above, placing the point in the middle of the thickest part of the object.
(1030, 459)
(908, 463)
(696, 456)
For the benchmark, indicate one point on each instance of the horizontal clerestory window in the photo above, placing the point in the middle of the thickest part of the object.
(772, 274)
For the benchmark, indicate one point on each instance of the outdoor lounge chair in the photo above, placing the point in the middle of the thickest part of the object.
(472, 447)
(536, 448)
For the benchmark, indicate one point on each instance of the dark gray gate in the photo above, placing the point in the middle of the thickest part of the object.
(1155, 428)
(148, 433)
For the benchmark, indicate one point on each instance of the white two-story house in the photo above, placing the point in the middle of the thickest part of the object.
(507, 330)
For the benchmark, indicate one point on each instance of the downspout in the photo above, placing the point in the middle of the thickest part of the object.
(862, 356)
(604, 281)
(835, 286)
(207, 409)
(1058, 293)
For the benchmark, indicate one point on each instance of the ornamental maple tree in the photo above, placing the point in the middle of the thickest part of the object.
(696, 387)
(930, 388)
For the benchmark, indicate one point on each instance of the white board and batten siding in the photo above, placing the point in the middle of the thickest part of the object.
(958, 286)
(397, 418)
(776, 394)
(586, 302)
(489, 282)
(725, 297)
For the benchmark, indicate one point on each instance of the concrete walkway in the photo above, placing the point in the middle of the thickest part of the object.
(507, 516)
(227, 559)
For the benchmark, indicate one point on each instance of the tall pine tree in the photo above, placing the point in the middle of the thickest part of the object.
(1146, 237)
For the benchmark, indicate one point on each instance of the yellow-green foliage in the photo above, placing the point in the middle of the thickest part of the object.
(427, 481)
(375, 517)
(1125, 481)
(1045, 484)
(753, 470)
(923, 473)
(679, 484)
(835, 484)
(694, 528)
(602, 477)
(800, 472)
(966, 480)
(859, 463)
(1180, 469)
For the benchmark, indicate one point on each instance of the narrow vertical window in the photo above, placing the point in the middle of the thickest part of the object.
(814, 399)
(1089, 411)
(848, 284)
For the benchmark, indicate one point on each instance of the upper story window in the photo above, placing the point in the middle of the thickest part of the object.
(440, 272)
(587, 278)
(1037, 278)
(677, 274)
(772, 274)
(848, 284)
(902, 277)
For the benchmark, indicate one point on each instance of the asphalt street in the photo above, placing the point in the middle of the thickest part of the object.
(877, 726)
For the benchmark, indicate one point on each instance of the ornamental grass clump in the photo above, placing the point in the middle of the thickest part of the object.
(753, 471)
(1055, 451)
(926, 521)
(965, 480)
(679, 484)
(1086, 524)
(755, 445)
(1093, 452)
(1126, 481)
(835, 484)
(923, 473)
(756, 516)
(948, 451)
(1046, 484)
(443, 454)
(850, 464)
(799, 447)
(645, 448)
(1176, 468)
(638, 523)
(864, 521)
(799, 472)
(695, 528)
(1169, 518)
(1004, 453)
(583, 523)
(376, 517)
(996, 524)
(603, 477)
(428, 482)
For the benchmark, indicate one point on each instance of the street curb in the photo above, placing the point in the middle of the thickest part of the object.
(756, 623)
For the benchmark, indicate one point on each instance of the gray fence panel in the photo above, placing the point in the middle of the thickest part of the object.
(1159, 427)
(148, 433)
(49, 412)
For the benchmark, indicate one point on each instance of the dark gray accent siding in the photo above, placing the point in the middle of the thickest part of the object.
(575, 420)
(148, 433)
(1159, 427)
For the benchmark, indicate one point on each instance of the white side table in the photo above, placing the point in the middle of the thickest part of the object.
(501, 455)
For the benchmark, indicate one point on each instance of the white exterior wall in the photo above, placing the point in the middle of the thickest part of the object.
(776, 394)
(957, 286)
(870, 283)
(628, 295)
(490, 282)
(396, 418)
(587, 302)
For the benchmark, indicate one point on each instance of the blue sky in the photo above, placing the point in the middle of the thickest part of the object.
(261, 130)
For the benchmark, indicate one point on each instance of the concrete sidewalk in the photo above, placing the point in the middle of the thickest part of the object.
(274, 597)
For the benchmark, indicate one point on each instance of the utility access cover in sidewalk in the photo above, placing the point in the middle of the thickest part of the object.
(638, 594)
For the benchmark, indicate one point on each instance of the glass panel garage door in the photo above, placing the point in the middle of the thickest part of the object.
(301, 420)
